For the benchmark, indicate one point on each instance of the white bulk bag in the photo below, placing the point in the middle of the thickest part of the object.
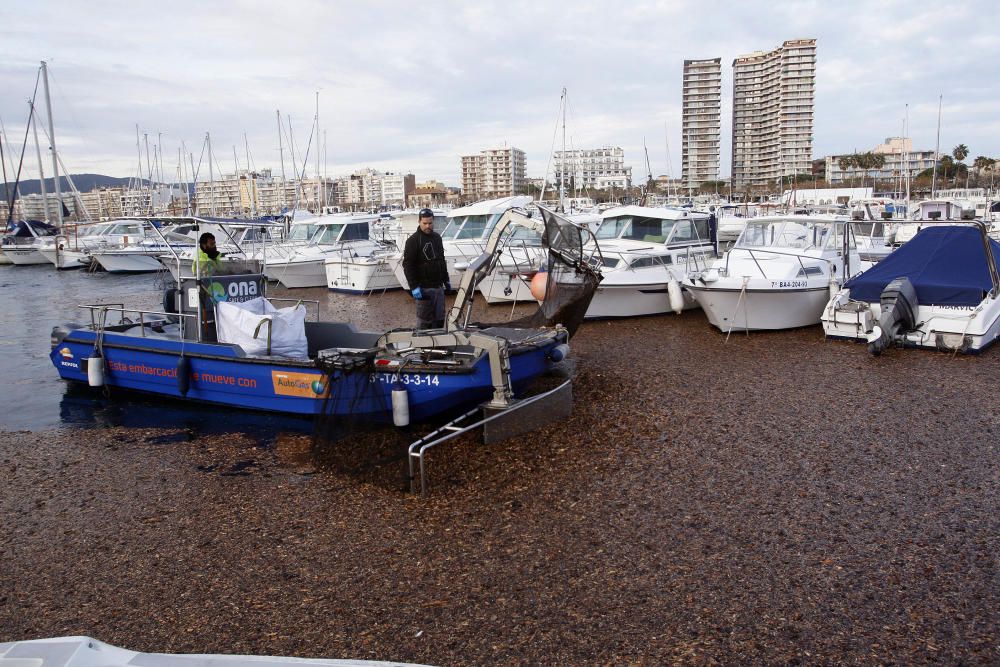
(235, 323)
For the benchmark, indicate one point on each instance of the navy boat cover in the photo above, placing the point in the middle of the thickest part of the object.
(946, 264)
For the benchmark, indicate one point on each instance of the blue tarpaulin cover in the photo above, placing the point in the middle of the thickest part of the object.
(946, 264)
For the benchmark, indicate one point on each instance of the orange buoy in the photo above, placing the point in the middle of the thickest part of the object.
(538, 285)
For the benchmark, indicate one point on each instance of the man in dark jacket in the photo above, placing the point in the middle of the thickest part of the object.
(426, 272)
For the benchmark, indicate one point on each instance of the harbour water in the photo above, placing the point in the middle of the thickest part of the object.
(33, 299)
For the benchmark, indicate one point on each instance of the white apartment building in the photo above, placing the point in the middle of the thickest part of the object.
(103, 203)
(773, 96)
(701, 121)
(900, 161)
(33, 207)
(259, 193)
(396, 187)
(493, 173)
(370, 188)
(598, 168)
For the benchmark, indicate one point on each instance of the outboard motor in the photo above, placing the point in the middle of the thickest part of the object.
(899, 314)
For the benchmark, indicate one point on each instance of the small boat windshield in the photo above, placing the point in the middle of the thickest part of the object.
(126, 229)
(467, 227)
(301, 232)
(341, 232)
(650, 261)
(652, 230)
(328, 234)
(797, 234)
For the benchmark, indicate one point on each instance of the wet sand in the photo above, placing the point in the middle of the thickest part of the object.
(774, 499)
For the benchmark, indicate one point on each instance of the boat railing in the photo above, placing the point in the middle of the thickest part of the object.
(694, 257)
(763, 273)
(99, 313)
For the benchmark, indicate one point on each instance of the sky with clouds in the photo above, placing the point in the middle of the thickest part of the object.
(413, 86)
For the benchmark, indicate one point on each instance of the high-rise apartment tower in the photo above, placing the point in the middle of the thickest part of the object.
(773, 96)
(493, 173)
(700, 121)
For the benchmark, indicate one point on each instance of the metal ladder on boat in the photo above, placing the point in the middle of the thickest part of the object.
(473, 419)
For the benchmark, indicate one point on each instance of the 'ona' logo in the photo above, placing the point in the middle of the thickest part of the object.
(234, 291)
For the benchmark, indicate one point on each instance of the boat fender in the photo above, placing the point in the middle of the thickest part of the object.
(676, 297)
(559, 352)
(400, 404)
(95, 369)
(183, 375)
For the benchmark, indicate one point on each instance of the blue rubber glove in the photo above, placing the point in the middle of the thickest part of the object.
(417, 293)
(447, 286)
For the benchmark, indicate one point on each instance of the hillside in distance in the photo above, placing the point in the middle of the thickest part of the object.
(84, 183)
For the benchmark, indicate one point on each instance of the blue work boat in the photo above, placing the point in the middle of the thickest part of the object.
(186, 352)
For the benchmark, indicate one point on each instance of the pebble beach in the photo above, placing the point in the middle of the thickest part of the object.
(771, 499)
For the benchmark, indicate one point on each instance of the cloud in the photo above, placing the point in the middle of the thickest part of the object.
(415, 86)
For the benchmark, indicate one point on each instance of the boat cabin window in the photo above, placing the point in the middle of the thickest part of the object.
(301, 232)
(130, 229)
(807, 271)
(611, 262)
(835, 237)
(92, 231)
(469, 227)
(355, 231)
(182, 230)
(525, 236)
(777, 233)
(689, 230)
(328, 233)
(653, 260)
(610, 228)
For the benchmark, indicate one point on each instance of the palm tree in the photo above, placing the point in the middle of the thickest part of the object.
(946, 163)
(875, 161)
(960, 152)
(845, 162)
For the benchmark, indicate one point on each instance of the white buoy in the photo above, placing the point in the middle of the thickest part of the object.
(95, 370)
(400, 405)
(676, 297)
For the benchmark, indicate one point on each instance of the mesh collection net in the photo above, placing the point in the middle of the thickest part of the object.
(353, 432)
(573, 274)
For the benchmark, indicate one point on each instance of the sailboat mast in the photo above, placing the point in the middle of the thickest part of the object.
(41, 168)
(937, 151)
(322, 188)
(52, 140)
(562, 170)
(149, 172)
(281, 153)
(211, 173)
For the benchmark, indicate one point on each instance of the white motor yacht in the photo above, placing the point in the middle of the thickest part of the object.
(138, 250)
(75, 247)
(779, 274)
(647, 254)
(362, 270)
(939, 291)
(20, 246)
(304, 265)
